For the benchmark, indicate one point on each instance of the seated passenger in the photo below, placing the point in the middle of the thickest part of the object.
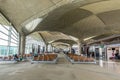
(35, 55)
(16, 57)
(73, 51)
(117, 56)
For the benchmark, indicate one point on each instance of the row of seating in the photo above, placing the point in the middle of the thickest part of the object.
(13, 57)
(80, 58)
(45, 57)
(27, 55)
(5, 58)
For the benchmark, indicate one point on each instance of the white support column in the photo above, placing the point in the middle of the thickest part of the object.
(70, 48)
(46, 47)
(19, 47)
(79, 48)
(22, 44)
(100, 57)
(100, 53)
(100, 50)
(51, 49)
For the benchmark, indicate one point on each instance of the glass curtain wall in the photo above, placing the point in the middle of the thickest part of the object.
(9, 38)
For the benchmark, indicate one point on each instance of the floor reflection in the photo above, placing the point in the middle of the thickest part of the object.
(110, 65)
(101, 63)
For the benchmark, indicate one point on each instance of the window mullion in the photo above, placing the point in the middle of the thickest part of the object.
(9, 41)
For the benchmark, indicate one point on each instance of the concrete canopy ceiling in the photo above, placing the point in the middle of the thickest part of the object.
(60, 45)
(54, 38)
(3, 21)
(51, 37)
(21, 12)
(86, 20)
(79, 18)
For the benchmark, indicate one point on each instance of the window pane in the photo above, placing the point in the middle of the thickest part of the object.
(3, 42)
(14, 31)
(3, 36)
(14, 41)
(14, 37)
(7, 27)
(15, 34)
(13, 50)
(13, 44)
(3, 29)
(3, 50)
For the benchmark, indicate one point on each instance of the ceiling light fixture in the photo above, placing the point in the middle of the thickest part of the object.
(89, 38)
